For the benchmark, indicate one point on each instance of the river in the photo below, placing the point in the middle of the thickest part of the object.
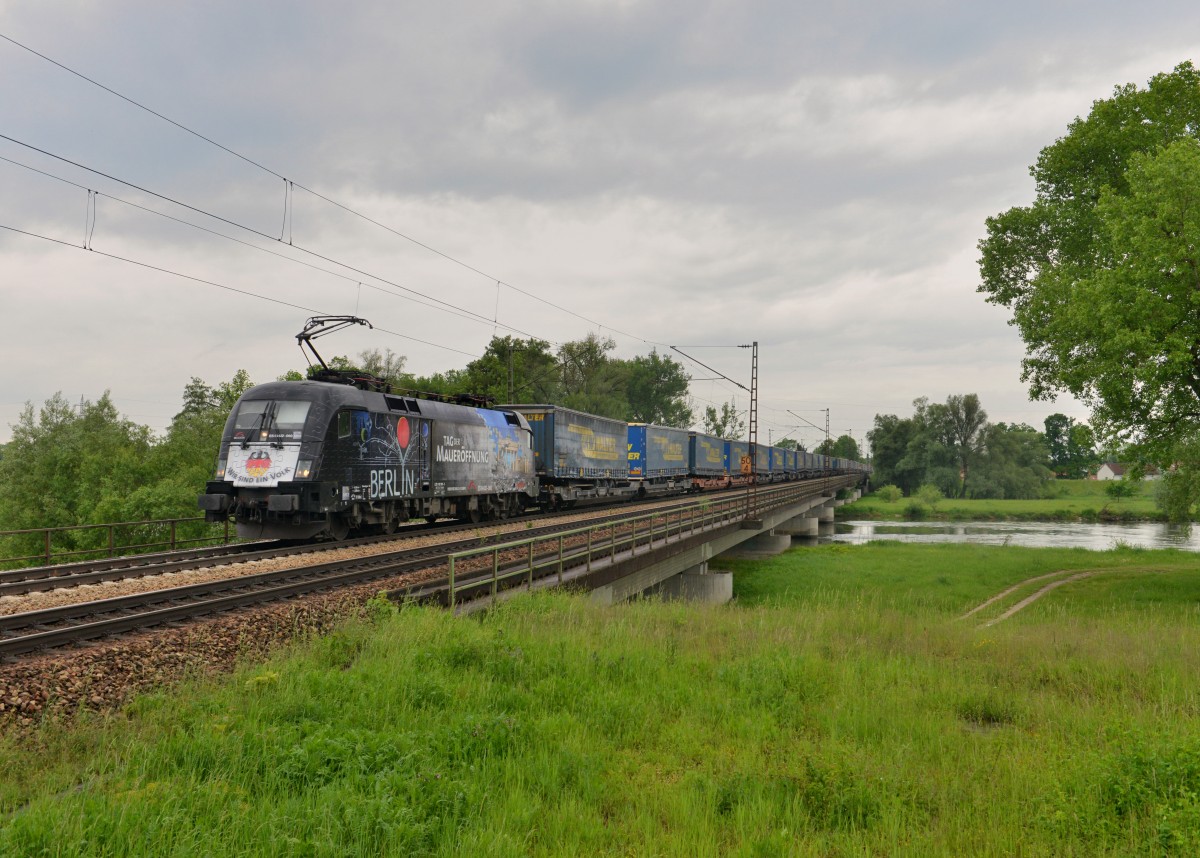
(1034, 534)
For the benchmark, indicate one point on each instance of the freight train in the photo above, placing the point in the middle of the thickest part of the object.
(342, 454)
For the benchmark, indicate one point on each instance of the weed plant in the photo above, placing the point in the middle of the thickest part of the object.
(840, 706)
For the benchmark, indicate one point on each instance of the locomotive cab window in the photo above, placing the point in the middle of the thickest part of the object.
(343, 424)
(260, 420)
(250, 418)
(289, 418)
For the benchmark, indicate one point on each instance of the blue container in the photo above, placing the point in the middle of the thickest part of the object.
(707, 455)
(570, 444)
(735, 453)
(762, 460)
(779, 459)
(656, 452)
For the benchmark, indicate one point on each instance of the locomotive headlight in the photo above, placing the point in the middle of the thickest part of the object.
(304, 468)
(220, 469)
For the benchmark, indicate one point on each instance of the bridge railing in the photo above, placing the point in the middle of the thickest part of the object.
(523, 561)
(47, 545)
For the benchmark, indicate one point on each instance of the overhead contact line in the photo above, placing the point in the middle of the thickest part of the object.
(291, 185)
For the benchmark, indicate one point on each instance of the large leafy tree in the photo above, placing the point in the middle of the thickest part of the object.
(843, 447)
(963, 429)
(1071, 446)
(724, 422)
(1013, 462)
(184, 459)
(65, 461)
(890, 439)
(591, 380)
(658, 391)
(1101, 271)
(513, 370)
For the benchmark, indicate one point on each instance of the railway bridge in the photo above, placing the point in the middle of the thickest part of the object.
(665, 553)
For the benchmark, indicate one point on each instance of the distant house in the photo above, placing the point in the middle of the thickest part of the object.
(1114, 471)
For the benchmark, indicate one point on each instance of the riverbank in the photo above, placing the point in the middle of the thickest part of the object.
(1064, 500)
(846, 703)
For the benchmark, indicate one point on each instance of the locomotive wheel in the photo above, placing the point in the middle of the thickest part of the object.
(338, 529)
(430, 519)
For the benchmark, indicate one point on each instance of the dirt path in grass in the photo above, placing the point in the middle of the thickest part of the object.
(1033, 597)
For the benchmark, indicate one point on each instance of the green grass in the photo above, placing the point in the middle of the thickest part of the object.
(1067, 500)
(839, 707)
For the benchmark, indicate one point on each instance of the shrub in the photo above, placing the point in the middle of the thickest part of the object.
(1118, 489)
(889, 493)
(915, 509)
(930, 494)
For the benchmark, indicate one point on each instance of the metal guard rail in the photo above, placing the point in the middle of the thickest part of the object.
(170, 541)
(689, 520)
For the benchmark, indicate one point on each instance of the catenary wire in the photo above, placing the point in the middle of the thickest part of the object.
(259, 233)
(290, 185)
(284, 256)
(228, 288)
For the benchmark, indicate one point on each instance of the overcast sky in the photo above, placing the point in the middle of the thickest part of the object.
(811, 176)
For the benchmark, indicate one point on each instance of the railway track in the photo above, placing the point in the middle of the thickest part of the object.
(30, 631)
(38, 579)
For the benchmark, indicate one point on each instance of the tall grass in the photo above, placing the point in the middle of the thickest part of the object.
(839, 706)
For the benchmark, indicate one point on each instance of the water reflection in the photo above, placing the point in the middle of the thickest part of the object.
(1034, 534)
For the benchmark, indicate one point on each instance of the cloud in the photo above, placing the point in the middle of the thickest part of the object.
(815, 178)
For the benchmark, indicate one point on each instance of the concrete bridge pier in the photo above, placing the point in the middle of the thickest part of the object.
(766, 544)
(697, 585)
(802, 528)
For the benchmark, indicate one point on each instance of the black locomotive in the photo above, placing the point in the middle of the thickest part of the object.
(301, 459)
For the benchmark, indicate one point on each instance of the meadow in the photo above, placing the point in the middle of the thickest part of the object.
(842, 705)
(1062, 500)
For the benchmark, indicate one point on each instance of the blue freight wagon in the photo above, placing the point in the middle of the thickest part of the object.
(779, 469)
(708, 461)
(577, 456)
(738, 455)
(762, 462)
(658, 457)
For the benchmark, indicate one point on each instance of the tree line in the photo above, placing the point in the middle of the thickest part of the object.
(954, 447)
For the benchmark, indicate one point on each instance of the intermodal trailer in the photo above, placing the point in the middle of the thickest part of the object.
(779, 464)
(762, 462)
(738, 454)
(578, 457)
(658, 457)
(708, 461)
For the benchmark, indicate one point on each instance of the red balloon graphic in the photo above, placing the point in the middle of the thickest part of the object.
(402, 434)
